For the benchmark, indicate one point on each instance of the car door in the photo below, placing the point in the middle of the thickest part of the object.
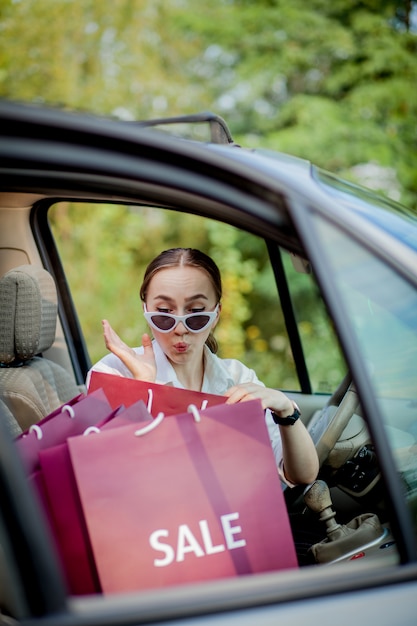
(372, 295)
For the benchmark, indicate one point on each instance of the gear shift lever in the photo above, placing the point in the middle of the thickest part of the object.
(341, 541)
(317, 498)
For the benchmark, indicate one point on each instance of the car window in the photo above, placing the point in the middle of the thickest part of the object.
(325, 363)
(105, 248)
(382, 307)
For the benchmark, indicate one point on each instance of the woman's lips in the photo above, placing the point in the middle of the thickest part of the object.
(181, 347)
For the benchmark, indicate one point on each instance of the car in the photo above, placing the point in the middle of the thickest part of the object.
(330, 318)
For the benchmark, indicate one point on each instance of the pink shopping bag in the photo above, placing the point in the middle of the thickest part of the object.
(69, 419)
(187, 501)
(56, 485)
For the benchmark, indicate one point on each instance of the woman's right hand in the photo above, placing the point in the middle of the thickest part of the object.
(142, 366)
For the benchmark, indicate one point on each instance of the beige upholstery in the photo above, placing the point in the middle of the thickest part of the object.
(7, 418)
(30, 386)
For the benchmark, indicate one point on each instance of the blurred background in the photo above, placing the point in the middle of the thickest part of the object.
(333, 82)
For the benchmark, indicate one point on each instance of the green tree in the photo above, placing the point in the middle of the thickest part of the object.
(328, 81)
(108, 56)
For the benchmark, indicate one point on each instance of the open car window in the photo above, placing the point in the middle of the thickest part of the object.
(109, 245)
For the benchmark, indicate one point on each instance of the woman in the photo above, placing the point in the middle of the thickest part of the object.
(181, 294)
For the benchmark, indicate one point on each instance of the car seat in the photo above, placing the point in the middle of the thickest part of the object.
(31, 386)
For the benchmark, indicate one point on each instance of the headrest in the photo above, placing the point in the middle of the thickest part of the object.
(28, 313)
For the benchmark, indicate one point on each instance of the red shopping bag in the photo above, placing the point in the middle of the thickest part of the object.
(69, 419)
(158, 398)
(55, 483)
(188, 501)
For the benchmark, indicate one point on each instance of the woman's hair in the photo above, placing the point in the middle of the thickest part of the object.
(183, 257)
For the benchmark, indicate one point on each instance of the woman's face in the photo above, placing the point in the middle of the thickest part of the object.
(181, 291)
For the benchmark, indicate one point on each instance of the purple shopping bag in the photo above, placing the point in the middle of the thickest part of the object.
(69, 419)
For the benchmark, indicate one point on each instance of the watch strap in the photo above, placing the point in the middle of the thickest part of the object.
(289, 420)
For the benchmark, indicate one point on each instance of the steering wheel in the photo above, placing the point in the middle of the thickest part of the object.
(330, 424)
(344, 402)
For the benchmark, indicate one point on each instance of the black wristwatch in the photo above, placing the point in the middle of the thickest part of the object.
(289, 420)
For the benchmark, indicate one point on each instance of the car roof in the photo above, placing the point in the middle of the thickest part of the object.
(280, 172)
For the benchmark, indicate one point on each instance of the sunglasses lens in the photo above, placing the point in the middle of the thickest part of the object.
(197, 322)
(163, 322)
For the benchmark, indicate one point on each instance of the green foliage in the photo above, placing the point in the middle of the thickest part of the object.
(328, 81)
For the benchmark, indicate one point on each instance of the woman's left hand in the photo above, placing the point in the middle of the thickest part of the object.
(270, 398)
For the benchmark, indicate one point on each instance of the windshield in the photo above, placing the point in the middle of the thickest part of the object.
(392, 217)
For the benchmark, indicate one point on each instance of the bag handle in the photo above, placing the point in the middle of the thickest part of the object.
(91, 429)
(193, 409)
(35, 428)
(150, 400)
(146, 429)
(160, 417)
(68, 409)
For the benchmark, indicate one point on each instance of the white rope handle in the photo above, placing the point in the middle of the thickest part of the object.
(193, 409)
(37, 430)
(204, 404)
(158, 419)
(146, 429)
(91, 429)
(150, 400)
(68, 409)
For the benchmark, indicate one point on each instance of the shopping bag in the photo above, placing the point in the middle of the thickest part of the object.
(187, 501)
(55, 483)
(62, 505)
(69, 419)
(135, 413)
(158, 398)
